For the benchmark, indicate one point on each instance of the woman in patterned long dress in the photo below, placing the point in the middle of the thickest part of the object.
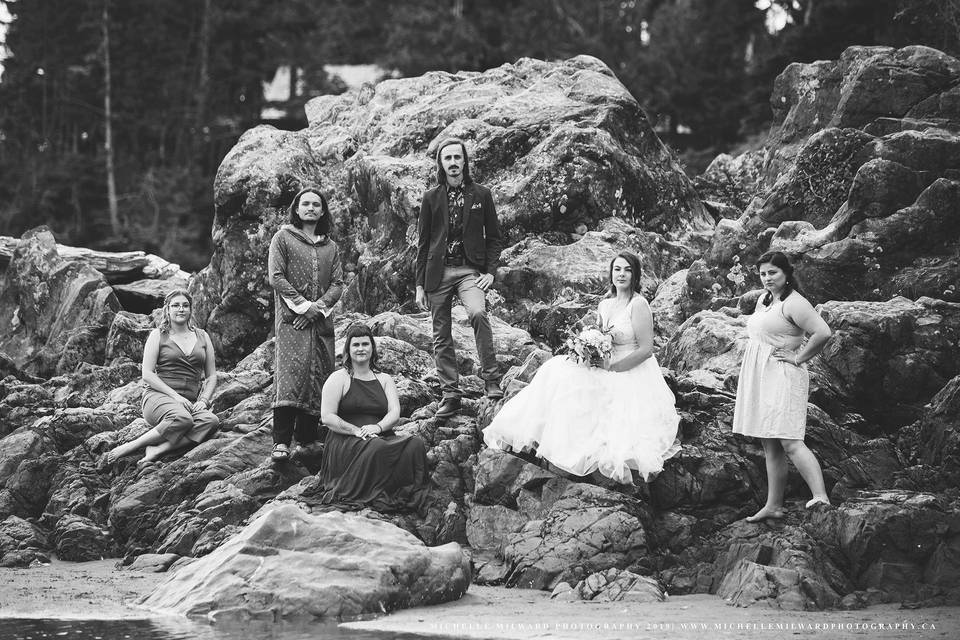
(583, 419)
(307, 279)
(179, 375)
(785, 332)
(365, 464)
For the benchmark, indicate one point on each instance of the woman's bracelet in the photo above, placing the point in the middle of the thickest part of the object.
(379, 427)
(795, 363)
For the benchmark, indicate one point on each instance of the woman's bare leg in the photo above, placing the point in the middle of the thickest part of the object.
(150, 437)
(776, 461)
(809, 468)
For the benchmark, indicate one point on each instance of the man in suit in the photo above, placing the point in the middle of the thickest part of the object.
(458, 250)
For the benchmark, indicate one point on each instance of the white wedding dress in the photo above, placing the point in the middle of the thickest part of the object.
(583, 418)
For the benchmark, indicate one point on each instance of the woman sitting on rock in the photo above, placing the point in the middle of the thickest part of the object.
(773, 384)
(614, 419)
(365, 464)
(180, 374)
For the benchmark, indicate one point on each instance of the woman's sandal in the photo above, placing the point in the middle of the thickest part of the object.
(281, 453)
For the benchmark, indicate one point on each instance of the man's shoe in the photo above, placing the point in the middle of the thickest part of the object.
(493, 389)
(448, 407)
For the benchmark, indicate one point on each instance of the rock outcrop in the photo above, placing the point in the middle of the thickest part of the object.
(612, 585)
(55, 312)
(288, 564)
(858, 183)
(562, 145)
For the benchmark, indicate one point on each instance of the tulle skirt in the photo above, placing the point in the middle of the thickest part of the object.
(583, 419)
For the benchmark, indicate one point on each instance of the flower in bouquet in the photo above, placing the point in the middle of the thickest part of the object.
(591, 346)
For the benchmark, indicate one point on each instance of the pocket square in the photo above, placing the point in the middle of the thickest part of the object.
(476, 205)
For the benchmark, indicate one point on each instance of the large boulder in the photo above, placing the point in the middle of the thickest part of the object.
(864, 85)
(539, 271)
(784, 569)
(256, 181)
(288, 564)
(940, 434)
(886, 360)
(563, 145)
(21, 543)
(710, 341)
(161, 511)
(779, 565)
(612, 585)
(57, 312)
(860, 185)
(895, 541)
(583, 529)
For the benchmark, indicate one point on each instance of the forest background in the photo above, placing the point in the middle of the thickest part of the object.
(115, 114)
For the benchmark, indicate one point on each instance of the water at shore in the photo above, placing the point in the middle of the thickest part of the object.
(173, 628)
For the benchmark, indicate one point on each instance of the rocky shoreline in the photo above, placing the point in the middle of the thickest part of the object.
(97, 590)
(859, 181)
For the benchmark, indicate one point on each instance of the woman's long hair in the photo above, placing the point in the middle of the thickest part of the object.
(441, 174)
(323, 224)
(780, 261)
(634, 263)
(164, 323)
(359, 330)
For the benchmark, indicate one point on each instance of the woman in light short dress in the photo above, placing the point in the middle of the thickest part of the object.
(785, 332)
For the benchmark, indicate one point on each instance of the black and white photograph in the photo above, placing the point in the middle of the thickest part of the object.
(486, 319)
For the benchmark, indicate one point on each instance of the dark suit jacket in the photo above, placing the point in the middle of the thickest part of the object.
(482, 242)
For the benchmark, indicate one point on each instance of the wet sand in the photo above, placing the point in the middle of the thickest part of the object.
(81, 590)
(492, 612)
(96, 590)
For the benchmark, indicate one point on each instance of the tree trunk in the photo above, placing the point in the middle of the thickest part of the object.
(203, 83)
(108, 125)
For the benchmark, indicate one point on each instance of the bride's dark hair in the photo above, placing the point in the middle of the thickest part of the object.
(634, 263)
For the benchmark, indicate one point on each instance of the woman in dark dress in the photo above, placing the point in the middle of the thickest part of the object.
(307, 279)
(365, 464)
(179, 373)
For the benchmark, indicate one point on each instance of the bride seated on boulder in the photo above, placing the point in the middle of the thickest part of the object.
(618, 417)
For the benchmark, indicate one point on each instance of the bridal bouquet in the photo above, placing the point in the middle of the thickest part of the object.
(590, 347)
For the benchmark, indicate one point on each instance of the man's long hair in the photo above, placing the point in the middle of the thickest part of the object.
(323, 224)
(441, 174)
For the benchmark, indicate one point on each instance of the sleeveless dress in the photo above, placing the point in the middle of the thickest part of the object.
(584, 419)
(771, 395)
(386, 473)
(182, 372)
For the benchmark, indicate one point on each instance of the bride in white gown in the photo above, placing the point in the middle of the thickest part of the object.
(583, 418)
